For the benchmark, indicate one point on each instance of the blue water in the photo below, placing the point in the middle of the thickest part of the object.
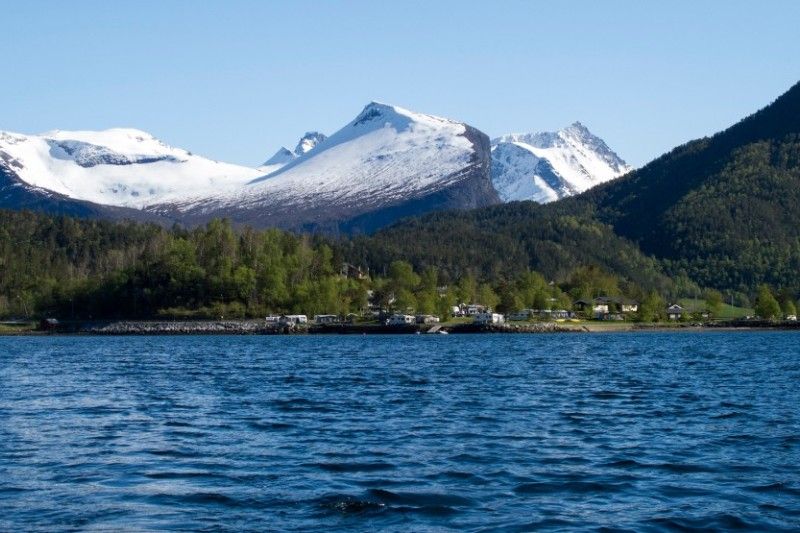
(640, 432)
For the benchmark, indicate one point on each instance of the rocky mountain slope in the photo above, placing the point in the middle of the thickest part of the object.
(547, 166)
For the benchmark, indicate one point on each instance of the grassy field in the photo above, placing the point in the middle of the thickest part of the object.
(453, 320)
(11, 328)
(727, 311)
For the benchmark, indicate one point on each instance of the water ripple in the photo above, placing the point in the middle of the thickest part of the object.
(624, 432)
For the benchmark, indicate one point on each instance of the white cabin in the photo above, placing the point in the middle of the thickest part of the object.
(519, 316)
(326, 319)
(401, 320)
(489, 318)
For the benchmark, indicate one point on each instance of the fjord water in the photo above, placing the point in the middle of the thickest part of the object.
(644, 432)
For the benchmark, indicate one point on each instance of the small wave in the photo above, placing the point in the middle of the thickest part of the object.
(177, 424)
(544, 524)
(301, 404)
(731, 414)
(680, 468)
(350, 505)
(606, 395)
(624, 463)
(723, 521)
(580, 487)
(678, 491)
(419, 498)
(778, 487)
(269, 426)
(198, 498)
(184, 475)
(471, 458)
(173, 453)
(429, 510)
(353, 467)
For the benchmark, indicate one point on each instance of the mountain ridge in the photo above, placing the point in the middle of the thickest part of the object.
(388, 161)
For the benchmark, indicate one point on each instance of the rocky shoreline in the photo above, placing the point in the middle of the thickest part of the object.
(259, 327)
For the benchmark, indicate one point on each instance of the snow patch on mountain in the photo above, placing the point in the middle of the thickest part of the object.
(546, 166)
(308, 142)
(386, 151)
(119, 167)
(284, 156)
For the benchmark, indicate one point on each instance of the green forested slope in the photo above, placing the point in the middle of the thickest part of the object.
(723, 210)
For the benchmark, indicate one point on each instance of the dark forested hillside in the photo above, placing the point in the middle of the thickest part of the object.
(78, 268)
(501, 240)
(724, 210)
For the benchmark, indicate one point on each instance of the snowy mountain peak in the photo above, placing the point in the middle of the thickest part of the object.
(308, 142)
(546, 166)
(121, 167)
(372, 112)
(385, 157)
(284, 156)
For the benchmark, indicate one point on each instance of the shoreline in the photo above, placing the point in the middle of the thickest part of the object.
(259, 327)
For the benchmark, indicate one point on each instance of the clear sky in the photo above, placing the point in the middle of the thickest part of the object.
(234, 80)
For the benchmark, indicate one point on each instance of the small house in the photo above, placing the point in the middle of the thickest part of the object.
(519, 316)
(326, 319)
(401, 320)
(293, 320)
(427, 319)
(489, 318)
(628, 306)
(474, 309)
(352, 271)
(674, 312)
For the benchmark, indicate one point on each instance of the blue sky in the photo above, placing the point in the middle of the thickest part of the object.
(234, 80)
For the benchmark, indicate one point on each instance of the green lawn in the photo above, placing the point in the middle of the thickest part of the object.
(6, 328)
(727, 311)
(453, 320)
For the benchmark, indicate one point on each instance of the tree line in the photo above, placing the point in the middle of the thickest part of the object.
(77, 268)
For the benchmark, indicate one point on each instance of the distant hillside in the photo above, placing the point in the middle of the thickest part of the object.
(503, 240)
(723, 209)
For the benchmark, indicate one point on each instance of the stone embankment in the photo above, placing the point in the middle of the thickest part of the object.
(259, 327)
(187, 327)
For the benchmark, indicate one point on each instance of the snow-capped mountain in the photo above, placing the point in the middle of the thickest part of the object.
(308, 142)
(386, 163)
(547, 166)
(283, 156)
(116, 167)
